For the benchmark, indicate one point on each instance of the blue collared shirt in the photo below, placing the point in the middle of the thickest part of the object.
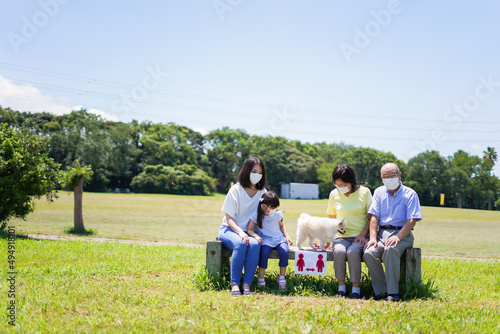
(395, 210)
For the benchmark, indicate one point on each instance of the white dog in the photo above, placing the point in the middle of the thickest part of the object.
(323, 229)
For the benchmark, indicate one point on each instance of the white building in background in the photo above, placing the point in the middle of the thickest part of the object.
(300, 191)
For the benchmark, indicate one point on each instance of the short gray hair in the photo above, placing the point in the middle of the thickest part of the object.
(390, 164)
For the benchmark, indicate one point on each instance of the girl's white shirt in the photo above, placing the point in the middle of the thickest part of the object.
(270, 232)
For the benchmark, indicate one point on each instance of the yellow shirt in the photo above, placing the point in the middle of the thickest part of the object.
(353, 208)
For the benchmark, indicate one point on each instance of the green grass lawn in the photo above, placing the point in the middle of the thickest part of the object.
(196, 219)
(88, 287)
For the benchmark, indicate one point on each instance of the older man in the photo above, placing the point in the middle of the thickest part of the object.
(394, 211)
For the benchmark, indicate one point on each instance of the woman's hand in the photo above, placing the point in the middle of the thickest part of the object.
(289, 241)
(244, 238)
(360, 239)
(259, 239)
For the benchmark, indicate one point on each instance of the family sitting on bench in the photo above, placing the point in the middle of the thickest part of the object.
(378, 228)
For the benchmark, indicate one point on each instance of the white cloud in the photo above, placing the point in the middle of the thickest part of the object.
(201, 130)
(97, 112)
(477, 150)
(28, 98)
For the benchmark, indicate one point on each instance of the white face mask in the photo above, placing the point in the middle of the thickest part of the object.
(343, 190)
(272, 212)
(255, 178)
(391, 183)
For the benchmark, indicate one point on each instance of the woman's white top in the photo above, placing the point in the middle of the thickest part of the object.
(240, 206)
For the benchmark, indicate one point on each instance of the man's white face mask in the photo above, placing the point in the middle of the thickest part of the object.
(391, 183)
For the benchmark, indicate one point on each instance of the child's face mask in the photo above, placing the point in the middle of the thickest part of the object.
(272, 212)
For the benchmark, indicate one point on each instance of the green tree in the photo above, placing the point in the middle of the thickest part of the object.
(331, 153)
(227, 151)
(284, 163)
(469, 166)
(426, 175)
(123, 162)
(166, 144)
(487, 184)
(26, 173)
(458, 185)
(490, 154)
(367, 162)
(325, 179)
(182, 180)
(74, 178)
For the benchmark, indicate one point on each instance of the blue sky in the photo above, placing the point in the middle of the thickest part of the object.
(398, 76)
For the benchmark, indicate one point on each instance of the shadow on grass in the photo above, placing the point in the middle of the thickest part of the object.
(308, 285)
(85, 232)
(4, 234)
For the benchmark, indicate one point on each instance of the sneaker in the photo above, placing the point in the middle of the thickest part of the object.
(261, 282)
(393, 298)
(380, 296)
(282, 283)
(341, 293)
(355, 295)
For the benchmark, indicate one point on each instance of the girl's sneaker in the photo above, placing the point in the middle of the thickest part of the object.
(261, 282)
(282, 283)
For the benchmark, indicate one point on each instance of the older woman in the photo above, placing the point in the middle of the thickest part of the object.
(241, 201)
(351, 201)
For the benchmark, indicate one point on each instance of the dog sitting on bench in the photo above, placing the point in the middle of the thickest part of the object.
(323, 229)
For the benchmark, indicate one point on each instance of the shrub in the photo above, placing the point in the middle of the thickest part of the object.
(182, 180)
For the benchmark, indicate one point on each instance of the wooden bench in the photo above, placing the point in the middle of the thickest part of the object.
(410, 260)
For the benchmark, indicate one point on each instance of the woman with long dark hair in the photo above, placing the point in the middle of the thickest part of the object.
(240, 203)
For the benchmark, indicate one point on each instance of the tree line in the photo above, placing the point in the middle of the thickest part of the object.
(148, 157)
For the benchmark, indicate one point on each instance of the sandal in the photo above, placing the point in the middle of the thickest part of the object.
(247, 292)
(282, 283)
(261, 282)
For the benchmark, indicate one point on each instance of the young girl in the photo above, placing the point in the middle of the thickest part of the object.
(271, 234)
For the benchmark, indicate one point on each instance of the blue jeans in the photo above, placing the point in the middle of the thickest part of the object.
(282, 249)
(243, 255)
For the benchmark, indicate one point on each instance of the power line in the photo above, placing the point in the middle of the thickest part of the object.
(195, 96)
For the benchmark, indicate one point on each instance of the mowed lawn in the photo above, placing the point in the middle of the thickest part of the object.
(195, 219)
(91, 287)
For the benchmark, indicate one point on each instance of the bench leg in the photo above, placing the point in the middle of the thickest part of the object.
(411, 266)
(214, 257)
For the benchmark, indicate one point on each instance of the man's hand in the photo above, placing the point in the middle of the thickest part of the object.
(370, 243)
(393, 241)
